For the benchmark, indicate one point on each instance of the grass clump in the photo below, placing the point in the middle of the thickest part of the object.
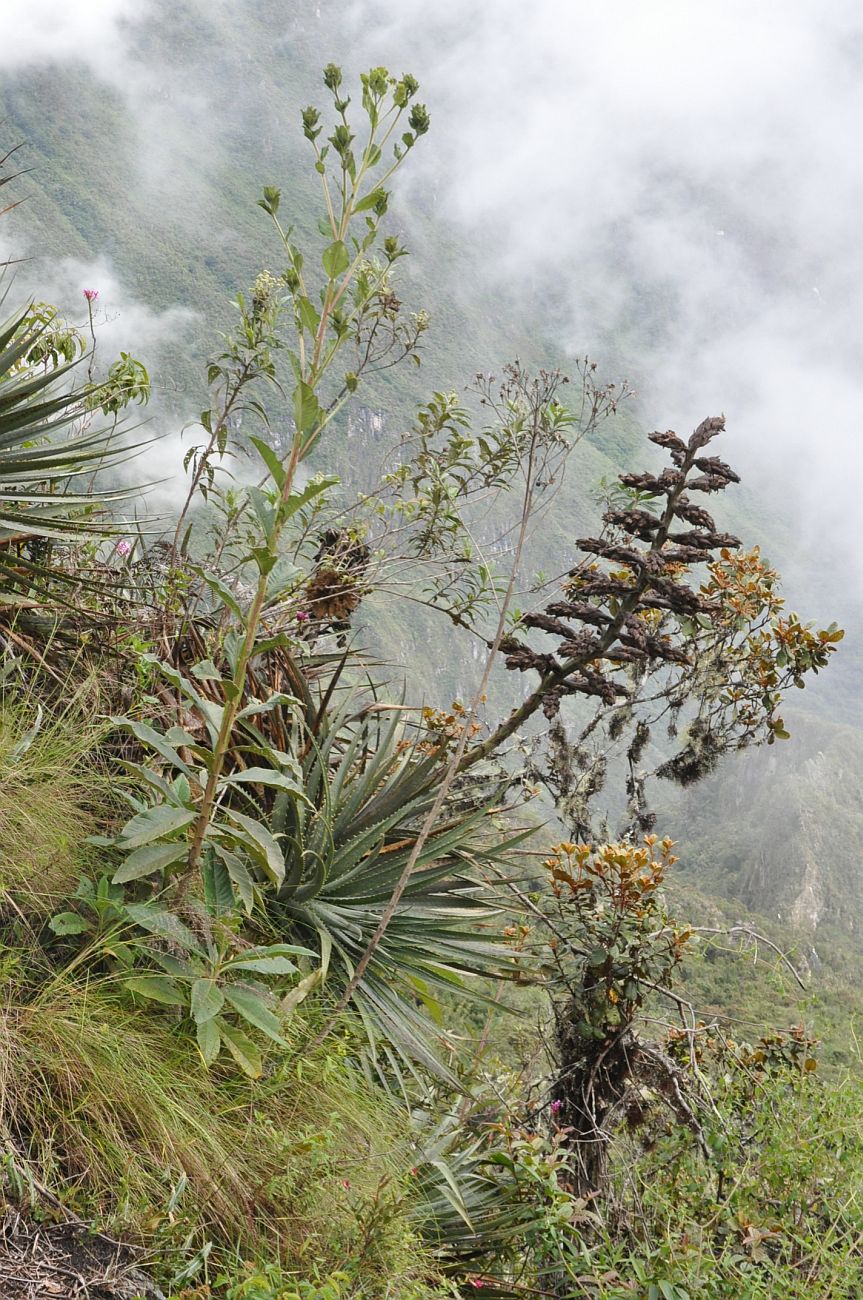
(51, 782)
(111, 1110)
(303, 1172)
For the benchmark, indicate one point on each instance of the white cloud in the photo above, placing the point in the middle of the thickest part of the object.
(681, 176)
(122, 323)
(93, 32)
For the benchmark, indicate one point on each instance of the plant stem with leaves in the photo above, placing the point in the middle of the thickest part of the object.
(320, 338)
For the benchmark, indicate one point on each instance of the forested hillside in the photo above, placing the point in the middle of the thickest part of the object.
(420, 874)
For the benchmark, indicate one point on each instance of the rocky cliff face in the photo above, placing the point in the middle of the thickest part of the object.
(370, 448)
(781, 829)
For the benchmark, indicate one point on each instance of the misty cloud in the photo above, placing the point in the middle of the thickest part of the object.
(677, 185)
(169, 113)
(92, 32)
(683, 182)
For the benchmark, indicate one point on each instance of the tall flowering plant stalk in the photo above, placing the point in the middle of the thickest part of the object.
(203, 834)
(349, 296)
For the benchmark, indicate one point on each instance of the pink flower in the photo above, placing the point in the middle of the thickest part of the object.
(478, 1283)
(346, 1183)
(302, 616)
(555, 1107)
(124, 547)
(91, 294)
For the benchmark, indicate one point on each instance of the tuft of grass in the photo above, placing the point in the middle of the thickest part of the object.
(113, 1111)
(50, 784)
(303, 1173)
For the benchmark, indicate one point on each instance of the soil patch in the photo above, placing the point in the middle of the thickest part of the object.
(65, 1261)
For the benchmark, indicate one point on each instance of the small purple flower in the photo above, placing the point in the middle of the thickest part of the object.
(124, 547)
(91, 294)
(555, 1107)
(302, 616)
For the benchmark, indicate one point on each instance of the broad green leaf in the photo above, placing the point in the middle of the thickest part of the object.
(320, 483)
(335, 259)
(370, 201)
(69, 923)
(263, 506)
(155, 781)
(266, 776)
(159, 988)
(153, 824)
(206, 1000)
(243, 1050)
(307, 409)
(173, 965)
(176, 678)
(213, 714)
(147, 860)
(218, 894)
(264, 559)
(264, 706)
(240, 876)
(216, 585)
(206, 671)
(308, 315)
(156, 920)
(283, 578)
(181, 790)
(209, 1040)
(251, 1007)
(270, 458)
(259, 839)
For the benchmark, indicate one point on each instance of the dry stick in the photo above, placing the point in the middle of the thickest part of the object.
(231, 398)
(453, 767)
(747, 932)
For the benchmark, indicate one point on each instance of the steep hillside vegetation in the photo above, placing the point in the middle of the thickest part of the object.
(313, 989)
(159, 178)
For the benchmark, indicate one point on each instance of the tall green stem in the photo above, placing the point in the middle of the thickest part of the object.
(233, 704)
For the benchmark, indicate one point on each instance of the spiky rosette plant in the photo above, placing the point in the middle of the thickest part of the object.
(368, 789)
(47, 447)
